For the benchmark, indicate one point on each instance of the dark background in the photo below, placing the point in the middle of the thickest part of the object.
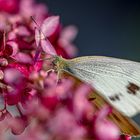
(106, 27)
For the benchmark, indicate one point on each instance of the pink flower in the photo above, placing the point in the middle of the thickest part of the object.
(42, 33)
(13, 76)
(65, 126)
(81, 106)
(66, 37)
(103, 128)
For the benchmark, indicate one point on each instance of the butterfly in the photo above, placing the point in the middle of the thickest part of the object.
(116, 81)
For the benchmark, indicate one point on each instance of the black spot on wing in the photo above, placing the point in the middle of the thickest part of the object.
(132, 88)
(115, 97)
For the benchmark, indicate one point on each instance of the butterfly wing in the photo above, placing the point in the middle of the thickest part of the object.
(116, 79)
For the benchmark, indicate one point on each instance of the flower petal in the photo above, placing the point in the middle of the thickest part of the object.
(49, 25)
(37, 36)
(69, 33)
(23, 58)
(12, 76)
(14, 46)
(47, 47)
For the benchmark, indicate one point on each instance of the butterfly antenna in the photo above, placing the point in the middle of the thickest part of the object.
(38, 26)
(35, 22)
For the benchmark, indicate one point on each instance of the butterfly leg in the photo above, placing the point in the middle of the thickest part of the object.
(50, 70)
(59, 76)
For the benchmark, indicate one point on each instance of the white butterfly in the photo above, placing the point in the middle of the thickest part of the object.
(116, 79)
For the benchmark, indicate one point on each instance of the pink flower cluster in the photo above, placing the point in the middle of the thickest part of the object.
(33, 104)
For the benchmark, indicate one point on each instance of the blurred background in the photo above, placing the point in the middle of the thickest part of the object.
(106, 27)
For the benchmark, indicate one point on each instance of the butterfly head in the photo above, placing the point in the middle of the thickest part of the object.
(55, 63)
(59, 63)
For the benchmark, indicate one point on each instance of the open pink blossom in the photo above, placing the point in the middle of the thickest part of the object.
(66, 37)
(81, 105)
(47, 29)
(65, 126)
(23, 58)
(15, 77)
(103, 128)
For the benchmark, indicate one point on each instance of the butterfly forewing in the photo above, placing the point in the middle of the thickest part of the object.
(117, 80)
